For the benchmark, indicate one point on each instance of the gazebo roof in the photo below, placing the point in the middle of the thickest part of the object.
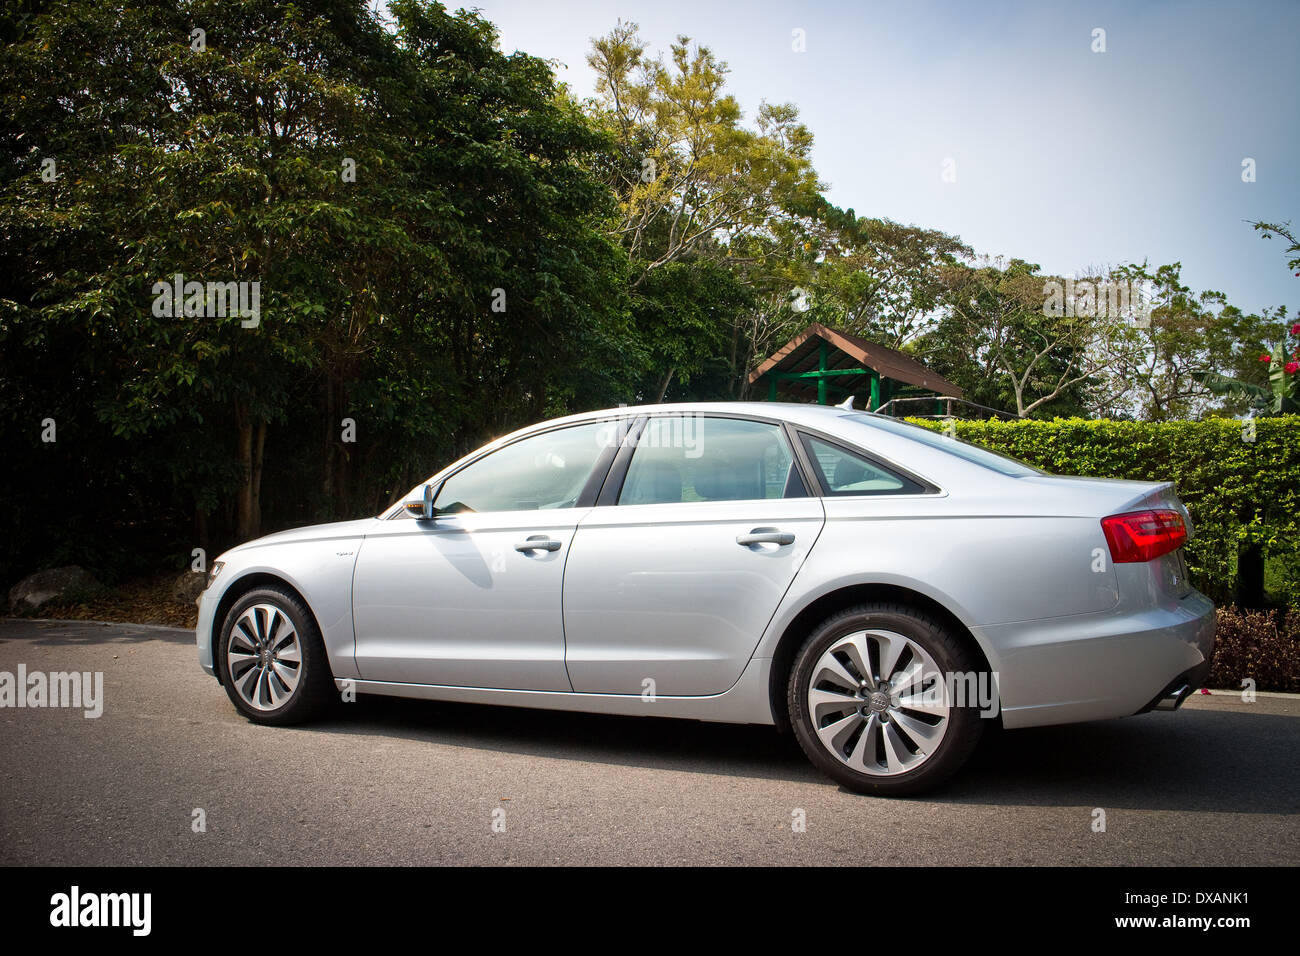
(849, 353)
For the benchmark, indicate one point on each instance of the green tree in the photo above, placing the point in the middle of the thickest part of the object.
(702, 194)
(419, 212)
(885, 281)
(1015, 339)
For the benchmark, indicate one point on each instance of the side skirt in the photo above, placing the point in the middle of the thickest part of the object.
(746, 702)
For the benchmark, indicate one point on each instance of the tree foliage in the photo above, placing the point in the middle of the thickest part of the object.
(418, 210)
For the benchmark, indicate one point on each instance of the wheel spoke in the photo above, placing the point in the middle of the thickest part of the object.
(925, 736)
(820, 701)
(830, 668)
(242, 637)
(926, 702)
(283, 632)
(863, 758)
(911, 676)
(248, 683)
(264, 688)
(834, 734)
(286, 675)
(891, 649)
(855, 647)
(895, 752)
(275, 690)
(238, 658)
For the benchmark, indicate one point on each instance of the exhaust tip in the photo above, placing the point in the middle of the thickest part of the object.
(1174, 698)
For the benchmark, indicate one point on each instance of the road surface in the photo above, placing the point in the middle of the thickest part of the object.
(388, 781)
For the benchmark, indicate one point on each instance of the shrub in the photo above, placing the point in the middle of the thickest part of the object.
(1261, 645)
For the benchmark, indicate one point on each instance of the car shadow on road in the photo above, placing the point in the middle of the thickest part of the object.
(1195, 760)
(658, 742)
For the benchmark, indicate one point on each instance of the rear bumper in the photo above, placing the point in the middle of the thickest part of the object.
(1179, 689)
(1098, 666)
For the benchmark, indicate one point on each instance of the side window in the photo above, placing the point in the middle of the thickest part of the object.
(684, 458)
(544, 471)
(843, 472)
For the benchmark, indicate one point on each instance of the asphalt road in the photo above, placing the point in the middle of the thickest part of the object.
(390, 781)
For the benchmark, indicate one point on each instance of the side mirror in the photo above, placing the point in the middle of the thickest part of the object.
(421, 507)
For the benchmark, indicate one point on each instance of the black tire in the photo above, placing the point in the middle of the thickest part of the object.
(949, 653)
(314, 690)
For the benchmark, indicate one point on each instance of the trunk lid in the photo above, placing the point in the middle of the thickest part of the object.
(1101, 497)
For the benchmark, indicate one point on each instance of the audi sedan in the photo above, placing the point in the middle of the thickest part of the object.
(881, 590)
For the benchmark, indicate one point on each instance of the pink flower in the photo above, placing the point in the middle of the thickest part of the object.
(1295, 329)
(1291, 367)
(1266, 357)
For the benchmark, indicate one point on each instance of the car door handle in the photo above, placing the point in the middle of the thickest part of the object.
(765, 536)
(537, 542)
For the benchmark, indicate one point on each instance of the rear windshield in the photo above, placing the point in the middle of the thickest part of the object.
(976, 455)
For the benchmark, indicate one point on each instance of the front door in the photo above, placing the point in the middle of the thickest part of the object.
(473, 598)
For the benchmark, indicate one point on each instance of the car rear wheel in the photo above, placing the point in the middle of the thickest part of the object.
(878, 700)
(273, 660)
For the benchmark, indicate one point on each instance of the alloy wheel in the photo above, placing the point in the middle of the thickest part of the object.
(264, 656)
(878, 702)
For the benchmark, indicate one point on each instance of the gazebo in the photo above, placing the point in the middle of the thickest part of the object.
(821, 363)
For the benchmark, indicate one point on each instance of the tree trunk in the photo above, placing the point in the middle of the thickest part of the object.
(663, 389)
(329, 439)
(1250, 576)
(248, 498)
(259, 447)
(342, 479)
(201, 529)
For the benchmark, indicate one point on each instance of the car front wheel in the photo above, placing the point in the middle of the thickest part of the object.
(876, 700)
(273, 660)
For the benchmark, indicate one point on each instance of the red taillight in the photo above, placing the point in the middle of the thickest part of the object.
(1143, 535)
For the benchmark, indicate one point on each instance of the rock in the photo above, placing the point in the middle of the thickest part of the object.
(45, 586)
(187, 588)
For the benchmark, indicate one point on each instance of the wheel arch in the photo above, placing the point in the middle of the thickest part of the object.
(236, 590)
(822, 607)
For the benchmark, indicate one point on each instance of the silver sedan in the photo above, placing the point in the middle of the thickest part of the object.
(883, 591)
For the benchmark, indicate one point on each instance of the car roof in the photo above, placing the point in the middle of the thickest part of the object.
(786, 411)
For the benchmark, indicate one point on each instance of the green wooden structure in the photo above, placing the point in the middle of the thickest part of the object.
(821, 364)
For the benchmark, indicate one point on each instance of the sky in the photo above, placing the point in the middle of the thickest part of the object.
(1060, 155)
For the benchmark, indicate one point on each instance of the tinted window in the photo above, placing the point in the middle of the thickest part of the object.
(544, 471)
(953, 446)
(683, 458)
(845, 472)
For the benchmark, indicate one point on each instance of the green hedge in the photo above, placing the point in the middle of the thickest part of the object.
(1237, 490)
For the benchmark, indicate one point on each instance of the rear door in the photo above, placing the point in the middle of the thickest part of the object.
(671, 581)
